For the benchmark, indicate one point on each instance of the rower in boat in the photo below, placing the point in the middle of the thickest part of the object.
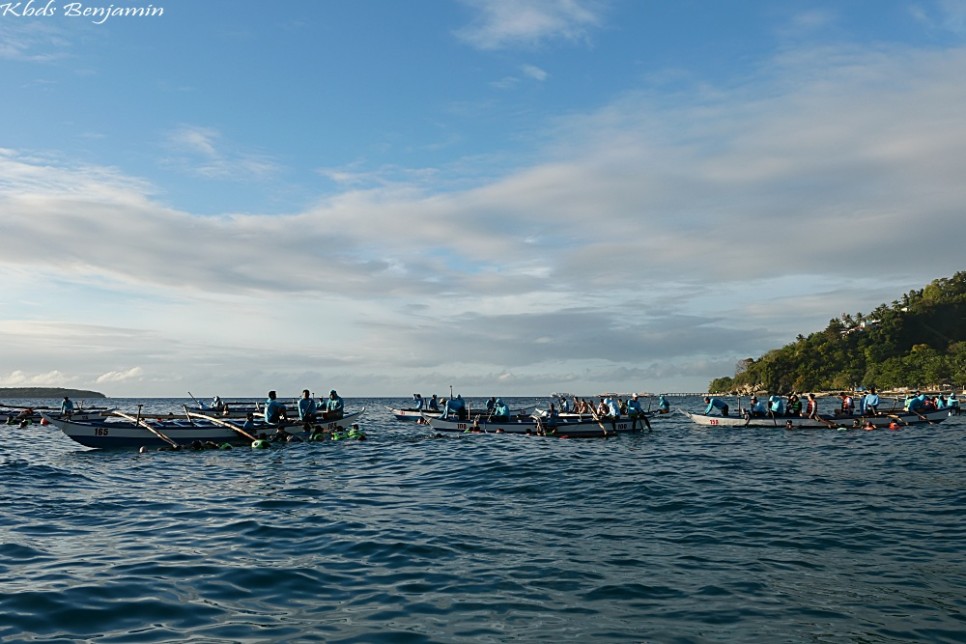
(663, 406)
(274, 409)
(501, 412)
(307, 408)
(716, 403)
(757, 408)
(334, 407)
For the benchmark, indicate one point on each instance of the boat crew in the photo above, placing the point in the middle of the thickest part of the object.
(501, 412)
(434, 403)
(334, 407)
(794, 406)
(776, 405)
(716, 403)
(848, 404)
(870, 403)
(758, 407)
(418, 404)
(274, 409)
(953, 404)
(307, 407)
(67, 407)
(635, 411)
(663, 406)
(455, 406)
(811, 409)
(491, 405)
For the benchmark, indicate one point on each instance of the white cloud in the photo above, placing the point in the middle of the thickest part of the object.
(508, 23)
(946, 15)
(21, 379)
(534, 72)
(202, 151)
(654, 238)
(111, 377)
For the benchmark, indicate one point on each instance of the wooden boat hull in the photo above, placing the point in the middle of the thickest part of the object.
(529, 425)
(412, 415)
(121, 434)
(846, 422)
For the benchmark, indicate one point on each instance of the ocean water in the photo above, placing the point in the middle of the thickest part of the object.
(682, 534)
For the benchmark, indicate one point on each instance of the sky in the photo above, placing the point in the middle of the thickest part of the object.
(506, 197)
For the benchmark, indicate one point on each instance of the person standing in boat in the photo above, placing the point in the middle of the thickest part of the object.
(334, 407)
(274, 409)
(418, 404)
(307, 407)
(491, 406)
(434, 403)
(67, 407)
(715, 403)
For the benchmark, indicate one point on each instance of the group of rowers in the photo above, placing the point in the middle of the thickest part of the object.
(868, 405)
(612, 407)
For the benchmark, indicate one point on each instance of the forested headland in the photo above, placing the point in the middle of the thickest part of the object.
(47, 392)
(918, 341)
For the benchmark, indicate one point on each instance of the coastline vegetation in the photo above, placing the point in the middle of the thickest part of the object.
(918, 341)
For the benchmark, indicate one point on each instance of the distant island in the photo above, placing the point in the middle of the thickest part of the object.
(47, 392)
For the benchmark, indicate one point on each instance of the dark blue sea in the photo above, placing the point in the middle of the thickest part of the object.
(682, 534)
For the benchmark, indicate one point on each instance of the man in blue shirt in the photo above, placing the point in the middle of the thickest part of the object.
(870, 404)
(716, 403)
(307, 407)
(274, 409)
(334, 407)
(776, 405)
(455, 407)
(663, 406)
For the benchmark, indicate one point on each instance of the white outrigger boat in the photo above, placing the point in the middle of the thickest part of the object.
(138, 431)
(902, 418)
(538, 426)
(413, 414)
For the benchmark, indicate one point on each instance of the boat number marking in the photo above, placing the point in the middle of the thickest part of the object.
(461, 426)
(714, 422)
(100, 431)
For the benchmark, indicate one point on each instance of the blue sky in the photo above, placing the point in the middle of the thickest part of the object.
(510, 197)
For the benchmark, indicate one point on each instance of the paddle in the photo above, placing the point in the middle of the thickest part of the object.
(223, 423)
(593, 412)
(197, 402)
(824, 421)
(146, 425)
(899, 418)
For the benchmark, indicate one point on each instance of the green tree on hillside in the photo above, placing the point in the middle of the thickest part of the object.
(919, 341)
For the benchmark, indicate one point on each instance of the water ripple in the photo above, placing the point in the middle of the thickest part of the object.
(682, 534)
